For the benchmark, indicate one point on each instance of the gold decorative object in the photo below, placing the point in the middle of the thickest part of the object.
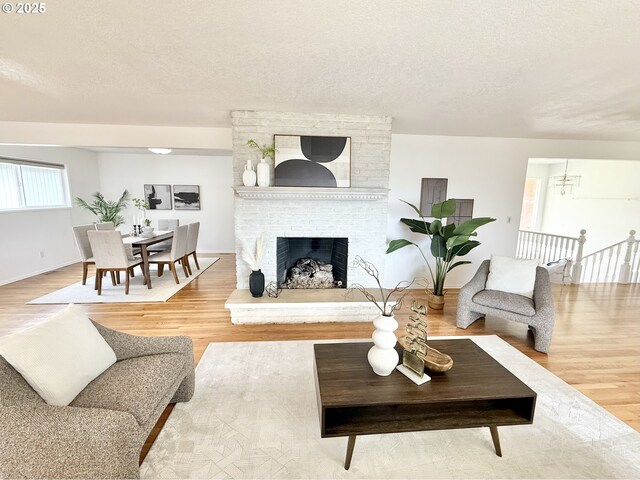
(416, 348)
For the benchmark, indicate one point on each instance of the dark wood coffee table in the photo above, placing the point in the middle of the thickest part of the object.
(476, 392)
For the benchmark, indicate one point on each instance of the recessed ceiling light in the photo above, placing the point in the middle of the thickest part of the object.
(161, 151)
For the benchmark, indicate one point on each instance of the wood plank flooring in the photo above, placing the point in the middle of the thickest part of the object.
(596, 344)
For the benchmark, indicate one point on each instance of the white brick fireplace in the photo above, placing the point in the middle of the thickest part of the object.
(358, 213)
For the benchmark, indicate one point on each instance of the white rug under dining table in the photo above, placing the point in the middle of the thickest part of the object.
(163, 287)
(254, 415)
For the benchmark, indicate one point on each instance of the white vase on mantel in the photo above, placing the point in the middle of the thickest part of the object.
(264, 173)
(249, 176)
(383, 357)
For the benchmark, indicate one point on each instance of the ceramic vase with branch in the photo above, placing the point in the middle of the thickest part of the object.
(253, 258)
(447, 243)
(263, 169)
(382, 357)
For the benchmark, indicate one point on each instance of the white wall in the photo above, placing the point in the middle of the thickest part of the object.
(213, 174)
(27, 233)
(490, 170)
(607, 203)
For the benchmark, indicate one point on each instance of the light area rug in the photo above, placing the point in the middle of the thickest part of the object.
(163, 288)
(254, 415)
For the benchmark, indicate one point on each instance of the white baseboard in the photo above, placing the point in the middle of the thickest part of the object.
(38, 272)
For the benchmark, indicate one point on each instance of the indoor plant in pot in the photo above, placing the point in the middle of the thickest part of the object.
(447, 243)
(263, 168)
(106, 210)
(254, 260)
(383, 356)
(147, 229)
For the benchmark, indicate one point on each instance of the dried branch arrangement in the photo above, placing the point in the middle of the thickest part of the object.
(391, 300)
(254, 260)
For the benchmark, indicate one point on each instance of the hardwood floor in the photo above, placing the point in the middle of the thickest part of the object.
(595, 348)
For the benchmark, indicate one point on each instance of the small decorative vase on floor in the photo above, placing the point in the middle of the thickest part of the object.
(435, 302)
(264, 173)
(383, 357)
(256, 283)
(249, 176)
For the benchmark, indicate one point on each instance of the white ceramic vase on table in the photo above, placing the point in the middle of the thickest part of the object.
(383, 357)
(264, 173)
(249, 176)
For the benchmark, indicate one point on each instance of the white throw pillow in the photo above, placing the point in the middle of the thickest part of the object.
(513, 275)
(60, 356)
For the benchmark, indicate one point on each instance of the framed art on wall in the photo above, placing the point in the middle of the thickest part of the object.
(158, 196)
(186, 197)
(434, 190)
(312, 161)
(464, 211)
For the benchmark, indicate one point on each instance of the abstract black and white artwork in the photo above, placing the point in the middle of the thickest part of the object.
(158, 196)
(312, 161)
(186, 197)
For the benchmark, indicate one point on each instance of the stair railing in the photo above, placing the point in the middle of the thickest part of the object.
(548, 247)
(617, 263)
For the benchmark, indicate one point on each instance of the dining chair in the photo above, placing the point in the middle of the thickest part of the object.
(176, 255)
(165, 225)
(84, 248)
(105, 226)
(110, 256)
(192, 243)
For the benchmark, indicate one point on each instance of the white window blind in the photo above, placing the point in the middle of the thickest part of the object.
(25, 185)
(10, 197)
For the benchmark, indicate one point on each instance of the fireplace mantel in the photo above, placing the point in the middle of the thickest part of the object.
(310, 193)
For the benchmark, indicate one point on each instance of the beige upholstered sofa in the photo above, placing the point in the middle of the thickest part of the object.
(100, 434)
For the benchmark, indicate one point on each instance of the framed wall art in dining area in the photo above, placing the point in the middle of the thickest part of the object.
(186, 197)
(312, 161)
(158, 196)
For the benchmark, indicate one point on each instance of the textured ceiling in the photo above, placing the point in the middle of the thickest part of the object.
(554, 69)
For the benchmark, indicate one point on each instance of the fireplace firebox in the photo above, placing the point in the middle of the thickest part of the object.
(318, 262)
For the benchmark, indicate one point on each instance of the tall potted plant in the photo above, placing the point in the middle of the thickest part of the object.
(106, 210)
(447, 243)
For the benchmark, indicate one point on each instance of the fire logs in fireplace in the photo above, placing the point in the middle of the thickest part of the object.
(310, 273)
(312, 262)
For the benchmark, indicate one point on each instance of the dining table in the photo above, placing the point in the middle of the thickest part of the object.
(144, 243)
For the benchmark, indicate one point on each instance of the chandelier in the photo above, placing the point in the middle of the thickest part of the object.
(564, 184)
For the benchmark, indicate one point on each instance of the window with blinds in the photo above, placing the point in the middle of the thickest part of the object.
(25, 185)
